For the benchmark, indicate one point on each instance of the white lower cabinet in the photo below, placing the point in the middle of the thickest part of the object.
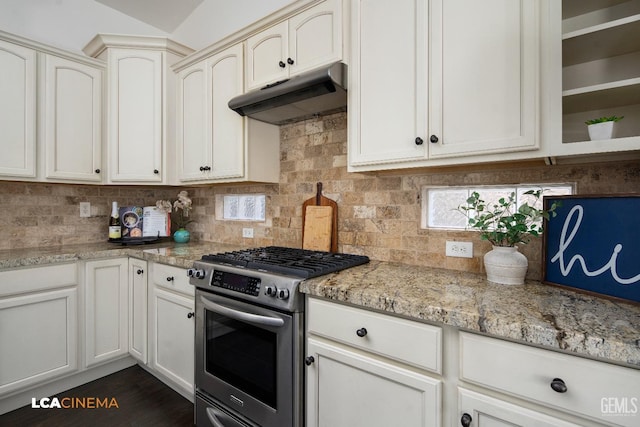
(172, 327)
(38, 325)
(106, 310)
(366, 377)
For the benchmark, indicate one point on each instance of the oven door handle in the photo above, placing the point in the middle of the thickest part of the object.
(243, 316)
(218, 417)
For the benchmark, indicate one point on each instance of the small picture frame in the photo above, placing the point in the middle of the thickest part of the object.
(593, 244)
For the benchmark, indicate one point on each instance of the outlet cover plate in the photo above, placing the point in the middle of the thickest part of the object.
(459, 249)
(85, 209)
(247, 233)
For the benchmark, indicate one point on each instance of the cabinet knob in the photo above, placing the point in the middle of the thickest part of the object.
(419, 141)
(190, 315)
(207, 168)
(465, 420)
(140, 271)
(201, 168)
(558, 385)
(97, 170)
(290, 61)
(433, 139)
(282, 64)
(170, 279)
(309, 360)
(361, 332)
(156, 171)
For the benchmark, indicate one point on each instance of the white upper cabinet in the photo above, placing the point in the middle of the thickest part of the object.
(135, 116)
(214, 143)
(72, 120)
(210, 134)
(600, 73)
(18, 110)
(140, 106)
(461, 81)
(305, 41)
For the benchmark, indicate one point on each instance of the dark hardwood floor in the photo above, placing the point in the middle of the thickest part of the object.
(142, 401)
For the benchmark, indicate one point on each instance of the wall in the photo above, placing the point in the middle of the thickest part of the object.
(67, 24)
(37, 214)
(379, 214)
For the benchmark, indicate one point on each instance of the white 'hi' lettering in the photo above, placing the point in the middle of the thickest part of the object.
(564, 244)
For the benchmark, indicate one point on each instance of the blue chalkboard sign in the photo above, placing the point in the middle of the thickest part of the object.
(593, 244)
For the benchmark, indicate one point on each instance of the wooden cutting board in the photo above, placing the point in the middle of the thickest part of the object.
(320, 217)
(317, 228)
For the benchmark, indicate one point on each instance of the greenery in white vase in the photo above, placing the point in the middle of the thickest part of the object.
(504, 224)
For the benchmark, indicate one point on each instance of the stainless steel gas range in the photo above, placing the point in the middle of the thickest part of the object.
(250, 334)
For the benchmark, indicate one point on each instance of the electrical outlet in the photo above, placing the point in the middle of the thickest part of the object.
(85, 209)
(459, 249)
(247, 232)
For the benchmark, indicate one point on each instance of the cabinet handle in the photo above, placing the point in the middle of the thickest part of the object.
(433, 139)
(97, 170)
(207, 168)
(558, 385)
(309, 360)
(289, 61)
(170, 279)
(282, 64)
(419, 141)
(190, 315)
(201, 168)
(465, 420)
(361, 332)
(156, 171)
(140, 271)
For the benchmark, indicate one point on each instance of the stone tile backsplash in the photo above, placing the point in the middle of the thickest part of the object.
(379, 213)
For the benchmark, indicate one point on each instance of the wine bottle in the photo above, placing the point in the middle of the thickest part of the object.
(115, 231)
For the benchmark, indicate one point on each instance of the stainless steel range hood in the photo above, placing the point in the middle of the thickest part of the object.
(318, 91)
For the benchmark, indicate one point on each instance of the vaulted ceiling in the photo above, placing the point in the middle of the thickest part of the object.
(166, 15)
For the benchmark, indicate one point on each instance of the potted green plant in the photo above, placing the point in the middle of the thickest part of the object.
(602, 127)
(505, 226)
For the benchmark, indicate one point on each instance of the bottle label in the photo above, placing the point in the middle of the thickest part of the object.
(114, 232)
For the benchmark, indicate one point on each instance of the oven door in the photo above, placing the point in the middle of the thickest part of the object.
(245, 359)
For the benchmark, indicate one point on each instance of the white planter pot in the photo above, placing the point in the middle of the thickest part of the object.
(602, 130)
(505, 265)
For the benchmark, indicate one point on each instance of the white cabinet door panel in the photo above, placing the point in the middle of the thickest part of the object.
(72, 116)
(388, 93)
(18, 110)
(136, 117)
(38, 334)
(265, 51)
(483, 93)
(138, 304)
(106, 310)
(226, 72)
(347, 389)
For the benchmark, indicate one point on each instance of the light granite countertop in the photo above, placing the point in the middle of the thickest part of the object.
(533, 313)
(179, 255)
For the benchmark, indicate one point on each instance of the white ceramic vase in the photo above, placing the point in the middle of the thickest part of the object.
(505, 265)
(602, 130)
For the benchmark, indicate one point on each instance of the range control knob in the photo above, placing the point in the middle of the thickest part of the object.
(196, 273)
(282, 294)
(270, 290)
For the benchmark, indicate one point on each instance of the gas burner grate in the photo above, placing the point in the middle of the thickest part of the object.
(300, 263)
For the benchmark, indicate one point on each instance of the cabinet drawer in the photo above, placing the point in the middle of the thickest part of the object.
(596, 389)
(37, 278)
(173, 278)
(409, 342)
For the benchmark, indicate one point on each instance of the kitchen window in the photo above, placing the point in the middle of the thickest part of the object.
(242, 207)
(439, 204)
